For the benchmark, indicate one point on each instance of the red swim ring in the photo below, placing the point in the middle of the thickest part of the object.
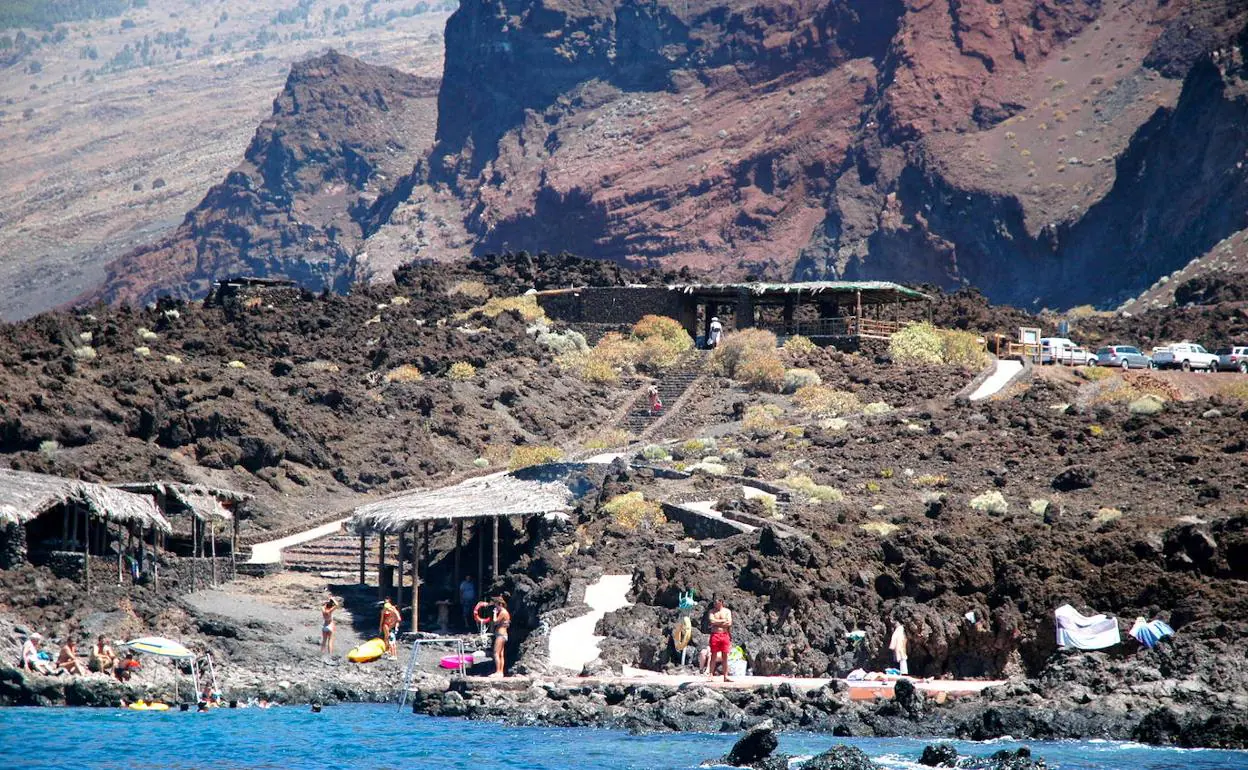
(476, 613)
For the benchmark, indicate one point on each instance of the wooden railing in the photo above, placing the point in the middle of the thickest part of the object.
(847, 326)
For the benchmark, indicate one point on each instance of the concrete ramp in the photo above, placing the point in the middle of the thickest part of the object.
(573, 643)
(1005, 372)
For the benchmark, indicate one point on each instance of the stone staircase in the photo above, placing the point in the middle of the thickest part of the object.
(672, 385)
(337, 553)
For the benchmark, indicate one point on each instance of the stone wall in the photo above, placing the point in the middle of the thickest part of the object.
(12, 545)
(617, 305)
(700, 526)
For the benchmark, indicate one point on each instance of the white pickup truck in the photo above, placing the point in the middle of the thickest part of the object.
(1185, 356)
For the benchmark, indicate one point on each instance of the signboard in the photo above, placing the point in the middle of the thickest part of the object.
(1029, 335)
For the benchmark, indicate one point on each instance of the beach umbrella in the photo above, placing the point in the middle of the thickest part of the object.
(157, 645)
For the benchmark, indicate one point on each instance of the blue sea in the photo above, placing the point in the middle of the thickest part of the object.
(374, 736)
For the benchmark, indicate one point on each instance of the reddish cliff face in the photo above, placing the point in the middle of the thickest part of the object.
(339, 130)
(1052, 152)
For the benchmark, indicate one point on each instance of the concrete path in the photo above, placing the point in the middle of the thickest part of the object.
(1006, 371)
(271, 551)
(573, 643)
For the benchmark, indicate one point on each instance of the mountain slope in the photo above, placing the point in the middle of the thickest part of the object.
(339, 129)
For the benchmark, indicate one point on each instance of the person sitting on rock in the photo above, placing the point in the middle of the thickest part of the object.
(67, 661)
(31, 661)
(126, 667)
(101, 659)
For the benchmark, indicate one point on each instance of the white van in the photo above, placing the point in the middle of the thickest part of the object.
(1054, 349)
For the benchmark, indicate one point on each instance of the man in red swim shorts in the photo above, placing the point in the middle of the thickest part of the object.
(721, 636)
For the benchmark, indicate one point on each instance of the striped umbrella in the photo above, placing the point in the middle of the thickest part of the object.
(156, 645)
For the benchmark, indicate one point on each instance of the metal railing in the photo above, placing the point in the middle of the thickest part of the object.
(417, 641)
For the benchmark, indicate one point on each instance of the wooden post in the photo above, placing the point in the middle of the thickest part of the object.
(120, 552)
(494, 542)
(143, 547)
(381, 565)
(480, 559)
(73, 529)
(362, 557)
(213, 535)
(416, 580)
(86, 547)
(398, 597)
(155, 559)
(233, 547)
(858, 311)
(64, 525)
(459, 538)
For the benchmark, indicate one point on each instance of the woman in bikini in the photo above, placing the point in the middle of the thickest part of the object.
(502, 622)
(327, 626)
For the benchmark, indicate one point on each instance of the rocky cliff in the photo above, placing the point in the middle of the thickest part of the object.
(1051, 153)
(339, 130)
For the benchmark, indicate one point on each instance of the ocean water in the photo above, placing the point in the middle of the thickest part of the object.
(375, 736)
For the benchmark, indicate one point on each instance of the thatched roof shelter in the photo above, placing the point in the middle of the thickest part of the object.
(25, 496)
(203, 502)
(493, 496)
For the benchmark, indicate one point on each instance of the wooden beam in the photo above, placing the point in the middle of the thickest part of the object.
(494, 542)
(480, 559)
(416, 580)
(398, 597)
(459, 539)
(120, 551)
(86, 547)
(381, 565)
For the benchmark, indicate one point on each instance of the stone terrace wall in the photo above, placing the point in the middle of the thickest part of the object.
(617, 305)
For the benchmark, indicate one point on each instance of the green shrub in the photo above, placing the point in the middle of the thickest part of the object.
(481, 462)
(834, 424)
(762, 420)
(49, 448)
(662, 340)
(963, 349)
(799, 345)
(172, 359)
(876, 408)
(736, 347)
(699, 447)
(709, 468)
(525, 456)
(461, 371)
(656, 453)
(732, 455)
(142, 351)
(632, 510)
(822, 401)
(84, 353)
(918, 343)
(818, 493)
(800, 378)
(1039, 506)
(1147, 405)
(86, 338)
(560, 342)
(1094, 373)
(990, 502)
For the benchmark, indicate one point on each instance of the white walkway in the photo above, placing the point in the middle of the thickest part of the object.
(573, 643)
(271, 552)
(1007, 370)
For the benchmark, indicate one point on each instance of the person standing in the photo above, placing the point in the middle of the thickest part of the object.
(898, 645)
(716, 331)
(467, 600)
(656, 405)
(502, 622)
(390, 620)
(327, 625)
(721, 636)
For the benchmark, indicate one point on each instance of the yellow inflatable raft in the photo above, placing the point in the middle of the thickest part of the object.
(142, 706)
(370, 650)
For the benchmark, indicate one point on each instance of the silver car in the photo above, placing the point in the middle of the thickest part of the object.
(1124, 356)
(1233, 359)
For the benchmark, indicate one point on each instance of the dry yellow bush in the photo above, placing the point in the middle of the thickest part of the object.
(461, 371)
(762, 420)
(524, 456)
(1237, 390)
(822, 401)
(526, 305)
(734, 348)
(632, 510)
(931, 480)
(761, 371)
(470, 289)
(881, 528)
(797, 344)
(405, 373)
(609, 438)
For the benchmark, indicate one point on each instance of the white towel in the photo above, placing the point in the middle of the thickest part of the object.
(1082, 632)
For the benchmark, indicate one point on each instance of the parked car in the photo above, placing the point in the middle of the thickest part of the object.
(1233, 359)
(1077, 356)
(1125, 356)
(1053, 349)
(1186, 356)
